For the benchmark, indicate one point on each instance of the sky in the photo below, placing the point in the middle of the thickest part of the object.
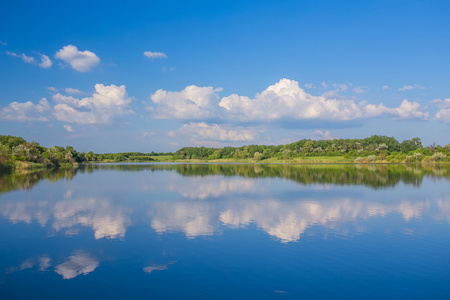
(160, 75)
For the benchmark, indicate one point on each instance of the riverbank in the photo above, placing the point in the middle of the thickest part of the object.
(298, 160)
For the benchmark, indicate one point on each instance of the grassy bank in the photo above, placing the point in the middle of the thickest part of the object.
(310, 160)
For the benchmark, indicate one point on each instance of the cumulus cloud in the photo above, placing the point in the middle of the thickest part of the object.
(411, 87)
(191, 103)
(409, 110)
(26, 111)
(286, 100)
(25, 58)
(45, 61)
(82, 61)
(102, 107)
(151, 54)
(443, 113)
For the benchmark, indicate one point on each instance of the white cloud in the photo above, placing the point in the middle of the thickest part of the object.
(150, 269)
(69, 128)
(386, 87)
(3, 43)
(286, 100)
(145, 134)
(309, 86)
(150, 54)
(443, 114)
(78, 264)
(102, 107)
(44, 262)
(409, 110)
(82, 61)
(26, 111)
(45, 61)
(442, 104)
(359, 90)
(106, 219)
(340, 86)
(25, 58)
(411, 87)
(205, 131)
(191, 103)
(72, 91)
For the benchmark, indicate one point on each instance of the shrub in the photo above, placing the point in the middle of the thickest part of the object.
(258, 156)
(372, 158)
(438, 156)
(417, 156)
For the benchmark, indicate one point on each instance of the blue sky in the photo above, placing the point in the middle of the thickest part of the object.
(160, 75)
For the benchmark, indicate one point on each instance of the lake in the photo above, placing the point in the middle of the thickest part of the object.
(226, 231)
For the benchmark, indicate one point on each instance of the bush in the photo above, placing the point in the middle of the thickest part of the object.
(258, 156)
(438, 156)
(372, 158)
(417, 156)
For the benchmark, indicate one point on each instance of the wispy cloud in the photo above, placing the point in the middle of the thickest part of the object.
(72, 91)
(359, 90)
(69, 128)
(204, 131)
(25, 58)
(151, 54)
(45, 60)
(411, 87)
(386, 87)
(3, 43)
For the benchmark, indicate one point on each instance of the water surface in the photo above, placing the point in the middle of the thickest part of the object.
(235, 231)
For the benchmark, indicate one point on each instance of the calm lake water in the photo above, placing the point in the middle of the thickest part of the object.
(236, 231)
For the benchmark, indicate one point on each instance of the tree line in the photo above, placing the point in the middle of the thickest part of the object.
(368, 149)
(15, 150)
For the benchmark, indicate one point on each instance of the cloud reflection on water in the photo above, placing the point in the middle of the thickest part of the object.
(204, 204)
(80, 263)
